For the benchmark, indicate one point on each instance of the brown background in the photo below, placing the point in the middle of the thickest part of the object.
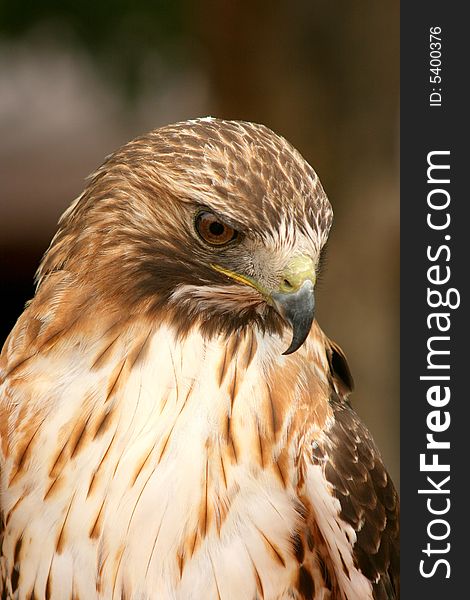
(79, 79)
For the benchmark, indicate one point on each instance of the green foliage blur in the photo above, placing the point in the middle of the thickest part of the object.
(115, 33)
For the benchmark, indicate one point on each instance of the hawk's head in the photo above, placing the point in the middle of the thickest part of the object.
(208, 222)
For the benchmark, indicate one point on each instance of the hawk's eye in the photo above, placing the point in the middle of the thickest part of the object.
(213, 231)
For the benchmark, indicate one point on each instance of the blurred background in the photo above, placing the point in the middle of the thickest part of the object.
(78, 79)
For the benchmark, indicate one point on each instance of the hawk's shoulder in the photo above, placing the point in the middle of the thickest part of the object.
(368, 499)
(352, 503)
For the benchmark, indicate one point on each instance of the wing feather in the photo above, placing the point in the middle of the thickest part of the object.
(347, 463)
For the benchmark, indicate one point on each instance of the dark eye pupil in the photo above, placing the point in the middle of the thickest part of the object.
(216, 228)
(212, 230)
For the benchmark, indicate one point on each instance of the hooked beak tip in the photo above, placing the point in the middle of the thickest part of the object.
(298, 309)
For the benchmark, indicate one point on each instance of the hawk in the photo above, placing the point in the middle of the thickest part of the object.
(174, 423)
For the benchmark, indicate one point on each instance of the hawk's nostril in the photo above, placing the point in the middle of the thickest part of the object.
(287, 284)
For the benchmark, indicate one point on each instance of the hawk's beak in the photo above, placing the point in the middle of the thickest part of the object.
(295, 300)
